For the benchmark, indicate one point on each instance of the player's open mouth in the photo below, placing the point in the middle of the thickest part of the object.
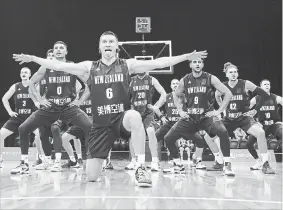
(108, 50)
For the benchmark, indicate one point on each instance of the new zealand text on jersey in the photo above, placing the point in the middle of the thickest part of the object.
(267, 108)
(198, 89)
(61, 79)
(111, 78)
(141, 87)
(23, 95)
(237, 98)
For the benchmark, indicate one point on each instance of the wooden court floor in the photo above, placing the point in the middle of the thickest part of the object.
(197, 189)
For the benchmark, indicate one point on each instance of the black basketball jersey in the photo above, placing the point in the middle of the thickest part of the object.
(141, 93)
(198, 95)
(60, 87)
(24, 105)
(42, 87)
(240, 101)
(268, 112)
(170, 108)
(86, 105)
(109, 87)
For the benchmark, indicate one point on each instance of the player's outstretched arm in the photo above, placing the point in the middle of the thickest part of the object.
(140, 66)
(81, 69)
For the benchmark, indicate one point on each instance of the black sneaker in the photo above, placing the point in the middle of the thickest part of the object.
(142, 177)
(69, 164)
(23, 168)
(266, 169)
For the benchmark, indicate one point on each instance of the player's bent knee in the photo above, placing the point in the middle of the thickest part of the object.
(150, 131)
(94, 169)
(259, 133)
(55, 129)
(133, 120)
(200, 143)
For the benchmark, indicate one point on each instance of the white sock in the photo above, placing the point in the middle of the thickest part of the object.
(227, 159)
(58, 157)
(79, 156)
(218, 157)
(155, 159)
(141, 158)
(37, 156)
(24, 158)
(72, 158)
(40, 157)
(264, 157)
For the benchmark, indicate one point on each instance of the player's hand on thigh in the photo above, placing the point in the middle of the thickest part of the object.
(13, 114)
(183, 114)
(44, 102)
(213, 113)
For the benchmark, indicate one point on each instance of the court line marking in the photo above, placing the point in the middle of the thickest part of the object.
(141, 197)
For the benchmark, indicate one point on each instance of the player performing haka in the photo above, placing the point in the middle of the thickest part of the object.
(24, 106)
(269, 117)
(142, 88)
(59, 103)
(77, 134)
(238, 108)
(200, 114)
(172, 116)
(109, 80)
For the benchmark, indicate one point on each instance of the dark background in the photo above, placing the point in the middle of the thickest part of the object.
(247, 33)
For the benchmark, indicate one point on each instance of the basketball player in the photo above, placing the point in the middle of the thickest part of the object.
(239, 105)
(109, 80)
(59, 103)
(200, 114)
(43, 137)
(172, 116)
(268, 116)
(142, 88)
(77, 134)
(24, 106)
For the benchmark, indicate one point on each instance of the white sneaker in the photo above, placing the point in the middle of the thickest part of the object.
(257, 166)
(56, 167)
(228, 170)
(154, 166)
(45, 165)
(200, 165)
(23, 168)
(131, 166)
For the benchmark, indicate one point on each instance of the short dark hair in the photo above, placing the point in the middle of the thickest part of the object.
(61, 42)
(264, 81)
(109, 33)
(49, 51)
